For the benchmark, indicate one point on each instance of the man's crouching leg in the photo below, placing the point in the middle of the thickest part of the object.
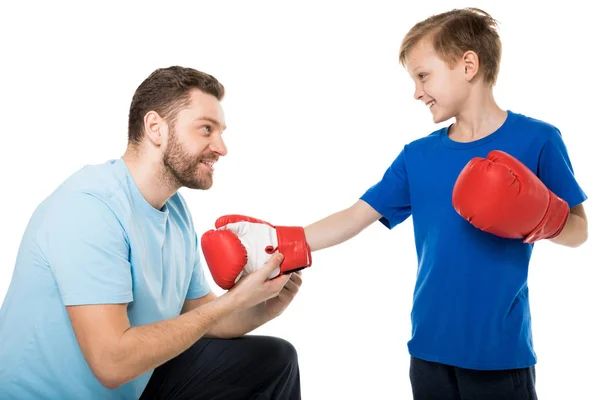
(248, 368)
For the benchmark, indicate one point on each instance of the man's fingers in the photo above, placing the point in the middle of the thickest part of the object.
(272, 264)
(296, 278)
(292, 286)
(280, 281)
(292, 289)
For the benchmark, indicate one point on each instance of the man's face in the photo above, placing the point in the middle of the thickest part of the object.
(195, 141)
(443, 89)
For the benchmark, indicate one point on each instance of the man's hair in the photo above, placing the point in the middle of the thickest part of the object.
(166, 91)
(453, 33)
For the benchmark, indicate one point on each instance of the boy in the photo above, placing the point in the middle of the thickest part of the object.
(475, 218)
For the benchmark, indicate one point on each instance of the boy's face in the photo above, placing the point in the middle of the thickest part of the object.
(444, 90)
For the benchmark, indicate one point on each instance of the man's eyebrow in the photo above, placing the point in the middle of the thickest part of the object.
(214, 121)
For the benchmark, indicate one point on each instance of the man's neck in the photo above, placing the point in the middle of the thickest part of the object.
(480, 117)
(150, 178)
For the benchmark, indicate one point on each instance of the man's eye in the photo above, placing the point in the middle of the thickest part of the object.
(207, 128)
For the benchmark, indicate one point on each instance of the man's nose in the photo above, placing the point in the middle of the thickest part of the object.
(218, 145)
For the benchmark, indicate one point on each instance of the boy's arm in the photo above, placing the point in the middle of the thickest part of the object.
(340, 226)
(575, 232)
(387, 201)
(240, 243)
(556, 171)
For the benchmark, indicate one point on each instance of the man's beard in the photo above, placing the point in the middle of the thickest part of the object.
(182, 167)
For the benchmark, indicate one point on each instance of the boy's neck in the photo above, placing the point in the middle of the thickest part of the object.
(480, 117)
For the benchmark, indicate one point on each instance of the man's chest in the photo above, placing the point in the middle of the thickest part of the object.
(162, 259)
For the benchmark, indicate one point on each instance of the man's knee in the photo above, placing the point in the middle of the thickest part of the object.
(280, 352)
(287, 351)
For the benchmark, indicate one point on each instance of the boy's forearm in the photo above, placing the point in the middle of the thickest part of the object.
(340, 226)
(574, 233)
(145, 347)
(329, 231)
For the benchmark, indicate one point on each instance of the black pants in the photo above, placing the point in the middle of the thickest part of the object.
(433, 381)
(246, 368)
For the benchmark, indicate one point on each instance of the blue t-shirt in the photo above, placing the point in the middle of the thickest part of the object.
(95, 240)
(470, 303)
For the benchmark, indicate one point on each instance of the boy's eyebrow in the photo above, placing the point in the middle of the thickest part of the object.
(414, 70)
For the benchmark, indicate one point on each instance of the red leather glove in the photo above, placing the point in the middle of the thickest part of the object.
(240, 245)
(500, 195)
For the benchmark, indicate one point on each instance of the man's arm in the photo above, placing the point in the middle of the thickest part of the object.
(575, 232)
(244, 321)
(117, 352)
(235, 324)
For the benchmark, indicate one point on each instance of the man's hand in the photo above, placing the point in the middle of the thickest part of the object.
(258, 286)
(245, 320)
(273, 308)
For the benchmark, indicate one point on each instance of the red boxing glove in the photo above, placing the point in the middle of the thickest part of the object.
(500, 195)
(241, 245)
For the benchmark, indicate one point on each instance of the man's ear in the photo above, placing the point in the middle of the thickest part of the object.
(153, 123)
(470, 62)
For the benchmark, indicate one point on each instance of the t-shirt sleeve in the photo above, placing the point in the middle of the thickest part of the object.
(556, 171)
(199, 285)
(391, 195)
(87, 251)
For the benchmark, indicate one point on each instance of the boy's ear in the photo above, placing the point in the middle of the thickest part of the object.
(470, 62)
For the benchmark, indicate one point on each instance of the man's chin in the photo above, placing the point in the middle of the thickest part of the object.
(202, 184)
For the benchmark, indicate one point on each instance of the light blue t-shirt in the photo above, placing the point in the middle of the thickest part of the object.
(471, 299)
(95, 240)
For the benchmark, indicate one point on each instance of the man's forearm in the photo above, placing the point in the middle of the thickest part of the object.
(239, 323)
(145, 347)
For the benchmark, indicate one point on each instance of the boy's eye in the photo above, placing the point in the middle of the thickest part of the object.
(421, 76)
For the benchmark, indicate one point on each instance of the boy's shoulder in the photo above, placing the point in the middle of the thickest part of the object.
(520, 123)
(532, 124)
(429, 138)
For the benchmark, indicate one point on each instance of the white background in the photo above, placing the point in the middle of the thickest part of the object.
(317, 107)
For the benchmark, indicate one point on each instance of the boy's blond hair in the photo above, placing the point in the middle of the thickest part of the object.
(453, 33)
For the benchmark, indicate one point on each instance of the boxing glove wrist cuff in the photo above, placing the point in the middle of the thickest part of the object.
(553, 222)
(293, 246)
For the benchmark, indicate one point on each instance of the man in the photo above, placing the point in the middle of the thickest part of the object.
(108, 298)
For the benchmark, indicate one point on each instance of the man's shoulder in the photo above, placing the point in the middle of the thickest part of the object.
(100, 180)
(90, 189)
